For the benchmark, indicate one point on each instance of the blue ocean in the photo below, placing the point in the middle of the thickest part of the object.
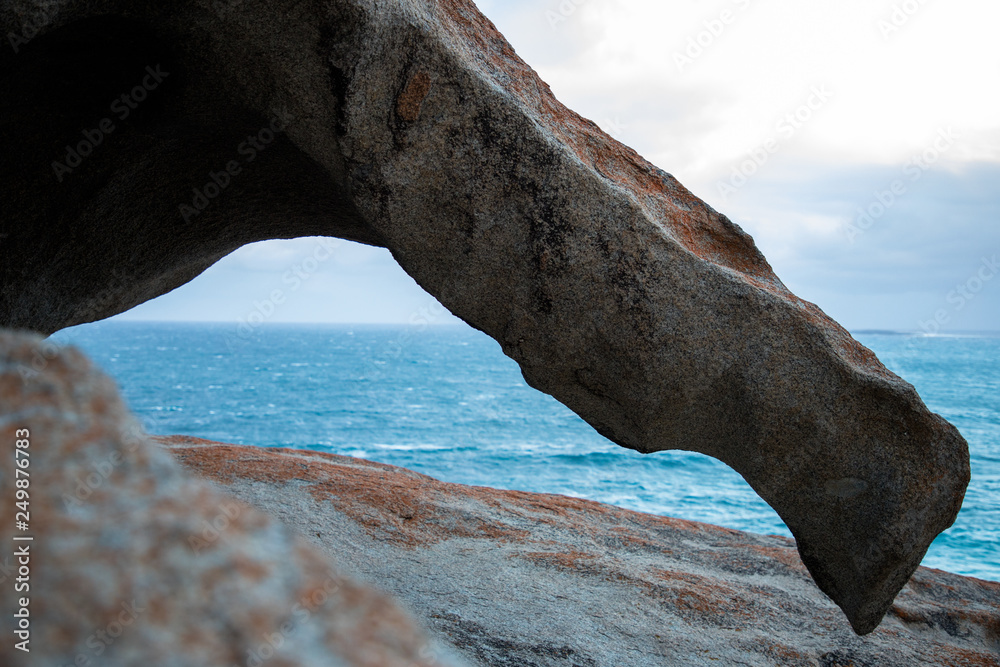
(446, 402)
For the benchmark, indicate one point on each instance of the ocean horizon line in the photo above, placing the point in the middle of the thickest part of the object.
(868, 331)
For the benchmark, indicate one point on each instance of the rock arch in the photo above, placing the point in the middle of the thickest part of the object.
(414, 124)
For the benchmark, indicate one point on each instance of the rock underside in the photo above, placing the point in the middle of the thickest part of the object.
(513, 578)
(413, 124)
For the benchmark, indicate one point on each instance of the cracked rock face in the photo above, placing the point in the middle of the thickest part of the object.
(135, 562)
(414, 125)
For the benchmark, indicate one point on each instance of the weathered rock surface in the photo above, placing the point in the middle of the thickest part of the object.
(412, 123)
(514, 578)
(135, 562)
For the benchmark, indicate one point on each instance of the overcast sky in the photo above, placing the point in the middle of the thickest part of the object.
(857, 141)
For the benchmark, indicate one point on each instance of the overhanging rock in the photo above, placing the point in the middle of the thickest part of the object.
(414, 124)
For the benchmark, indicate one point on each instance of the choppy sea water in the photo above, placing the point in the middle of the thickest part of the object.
(446, 402)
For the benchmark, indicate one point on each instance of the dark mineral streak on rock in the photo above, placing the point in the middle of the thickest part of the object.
(415, 125)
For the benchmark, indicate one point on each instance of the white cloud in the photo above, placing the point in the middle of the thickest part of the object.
(893, 91)
(938, 69)
(615, 61)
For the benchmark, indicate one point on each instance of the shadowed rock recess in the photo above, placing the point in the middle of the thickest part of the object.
(413, 124)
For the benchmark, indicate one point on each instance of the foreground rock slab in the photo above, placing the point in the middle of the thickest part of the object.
(134, 562)
(514, 578)
(413, 124)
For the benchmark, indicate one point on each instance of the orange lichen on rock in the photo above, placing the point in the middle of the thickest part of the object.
(706, 234)
(784, 654)
(787, 556)
(410, 100)
(703, 595)
(576, 561)
(400, 507)
(492, 558)
(681, 215)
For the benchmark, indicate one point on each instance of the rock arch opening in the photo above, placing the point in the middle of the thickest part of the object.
(417, 127)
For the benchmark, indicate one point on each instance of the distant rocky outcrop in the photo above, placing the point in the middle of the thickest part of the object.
(167, 135)
(514, 578)
(122, 558)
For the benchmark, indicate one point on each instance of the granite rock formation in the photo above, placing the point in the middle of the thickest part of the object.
(514, 578)
(134, 561)
(413, 124)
